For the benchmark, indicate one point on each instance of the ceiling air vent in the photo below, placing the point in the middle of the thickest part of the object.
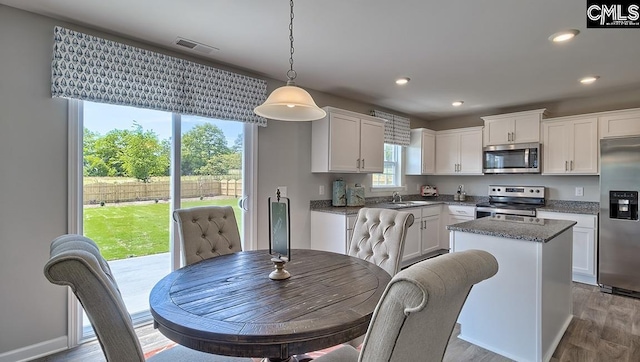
(195, 46)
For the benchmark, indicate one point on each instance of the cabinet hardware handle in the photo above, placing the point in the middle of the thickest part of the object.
(565, 166)
(424, 222)
(509, 136)
(358, 163)
(363, 163)
(571, 165)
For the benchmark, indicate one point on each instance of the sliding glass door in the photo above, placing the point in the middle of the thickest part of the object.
(134, 168)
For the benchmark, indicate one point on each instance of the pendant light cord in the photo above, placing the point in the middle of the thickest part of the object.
(291, 74)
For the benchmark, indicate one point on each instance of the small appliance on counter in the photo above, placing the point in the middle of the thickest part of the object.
(339, 193)
(427, 190)
(355, 195)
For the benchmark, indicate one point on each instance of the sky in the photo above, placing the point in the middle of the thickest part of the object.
(102, 118)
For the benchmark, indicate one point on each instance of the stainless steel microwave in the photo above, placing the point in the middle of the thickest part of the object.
(512, 158)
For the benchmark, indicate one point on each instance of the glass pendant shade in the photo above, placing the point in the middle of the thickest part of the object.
(290, 103)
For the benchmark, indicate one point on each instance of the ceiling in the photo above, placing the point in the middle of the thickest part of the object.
(491, 54)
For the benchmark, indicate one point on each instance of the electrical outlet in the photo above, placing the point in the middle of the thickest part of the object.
(283, 191)
(321, 190)
(579, 191)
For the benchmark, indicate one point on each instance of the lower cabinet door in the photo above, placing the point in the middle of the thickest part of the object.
(412, 241)
(583, 251)
(430, 234)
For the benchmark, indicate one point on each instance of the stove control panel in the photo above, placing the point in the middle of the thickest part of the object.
(517, 191)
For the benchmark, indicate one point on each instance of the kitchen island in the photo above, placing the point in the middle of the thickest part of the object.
(523, 311)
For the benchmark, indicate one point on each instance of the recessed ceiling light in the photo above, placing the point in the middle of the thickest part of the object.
(402, 81)
(564, 35)
(457, 103)
(589, 80)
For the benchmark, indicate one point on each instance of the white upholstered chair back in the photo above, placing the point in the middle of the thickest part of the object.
(419, 308)
(207, 232)
(379, 235)
(75, 261)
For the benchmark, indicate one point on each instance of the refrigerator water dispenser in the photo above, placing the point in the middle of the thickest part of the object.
(623, 205)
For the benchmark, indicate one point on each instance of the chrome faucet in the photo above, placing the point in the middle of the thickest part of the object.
(394, 196)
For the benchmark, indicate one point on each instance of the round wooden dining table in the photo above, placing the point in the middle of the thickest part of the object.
(227, 305)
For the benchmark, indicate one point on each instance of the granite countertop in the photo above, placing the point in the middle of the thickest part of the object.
(383, 202)
(570, 207)
(542, 232)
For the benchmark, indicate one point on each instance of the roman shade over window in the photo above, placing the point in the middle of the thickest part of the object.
(94, 69)
(396, 129)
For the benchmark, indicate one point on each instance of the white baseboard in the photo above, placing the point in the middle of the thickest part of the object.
(35, 350)
(584, 279)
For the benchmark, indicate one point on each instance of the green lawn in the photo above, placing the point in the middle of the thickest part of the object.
(131, 230)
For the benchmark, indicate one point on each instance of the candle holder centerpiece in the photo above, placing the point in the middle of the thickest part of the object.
(279, 236)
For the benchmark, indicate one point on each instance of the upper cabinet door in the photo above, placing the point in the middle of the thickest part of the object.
(349, 142)
(371, 146)
(519, 127)
(526, 129)
(584, 146)
(420, 155)
(471, 153)
(447, 153)
(570, 146)
(498, 132)
(620, 123)
(344, 150)
(555, 149)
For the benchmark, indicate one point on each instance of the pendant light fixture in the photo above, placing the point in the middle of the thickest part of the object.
(290, 102)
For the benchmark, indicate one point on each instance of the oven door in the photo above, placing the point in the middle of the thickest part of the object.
(490, 211)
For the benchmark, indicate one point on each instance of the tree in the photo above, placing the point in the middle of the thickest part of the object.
(108, 149)
(238, 144)
(143, 156)
(199, 145)
(92, 164)
(221, 165)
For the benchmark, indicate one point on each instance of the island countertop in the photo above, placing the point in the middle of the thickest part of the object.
(538, 230)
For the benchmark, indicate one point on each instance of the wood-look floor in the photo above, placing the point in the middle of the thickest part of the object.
(604, 328)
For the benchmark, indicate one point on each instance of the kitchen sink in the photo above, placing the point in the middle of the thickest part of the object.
(393, 205)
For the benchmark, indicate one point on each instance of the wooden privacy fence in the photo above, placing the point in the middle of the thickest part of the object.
(159, 190)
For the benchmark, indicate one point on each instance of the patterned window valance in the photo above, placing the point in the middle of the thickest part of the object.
(397, 129)
(99, 70)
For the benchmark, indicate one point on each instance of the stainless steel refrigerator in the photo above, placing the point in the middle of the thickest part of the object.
(619, 230)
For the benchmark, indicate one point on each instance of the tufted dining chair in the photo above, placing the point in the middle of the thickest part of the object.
(379, 235)
(75, 261)
(207, 232)
(415, 316)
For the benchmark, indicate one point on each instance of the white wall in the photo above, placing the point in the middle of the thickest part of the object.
(33, 182)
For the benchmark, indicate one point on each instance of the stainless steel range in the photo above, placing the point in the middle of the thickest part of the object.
(512, 200)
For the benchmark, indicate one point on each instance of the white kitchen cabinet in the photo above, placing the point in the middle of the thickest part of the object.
(459, 151)
(570, 146)
(430, 233)
(519, 127)
(421, 152)
(331, 232)
(412, 244)
(584, 244)
(453, 214)
(423, 237)
(347, 142)
(620, 123)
